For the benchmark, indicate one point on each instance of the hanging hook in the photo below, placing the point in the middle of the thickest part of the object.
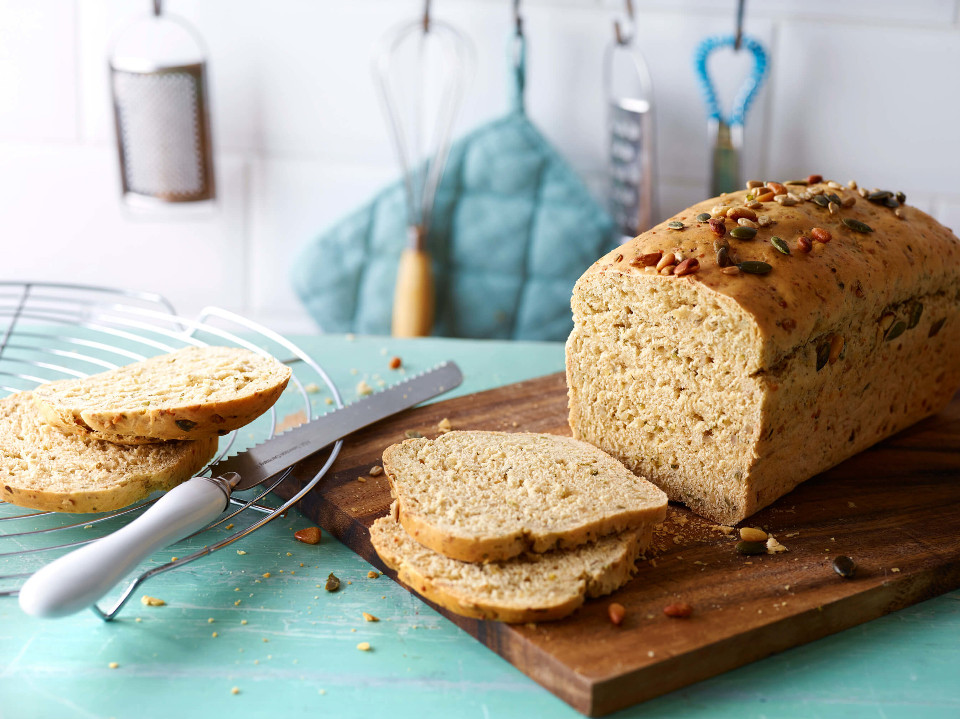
(622, 38)
(426, 16)
(738, 37)
(517, 19)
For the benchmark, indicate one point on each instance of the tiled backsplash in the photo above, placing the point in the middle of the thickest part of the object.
(864, 89)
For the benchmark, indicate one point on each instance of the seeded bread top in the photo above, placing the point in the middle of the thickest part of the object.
(44, 468)
(895, 254)
(193, 392)
(481, 496)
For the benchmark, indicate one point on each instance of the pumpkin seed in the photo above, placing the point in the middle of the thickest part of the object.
(723, 257)
(703, 217)
(743, 233)
(915, 313)
(937, 326)
(780, 245)
(896, 330)
(753, 267)
(879, 196)
(891, 203)
(185, 424)
(823, 355)
(856, 225)
(751, 547)
(845, 567)
(333, 583)
(675, 225)
(821, 200)
(901, 198)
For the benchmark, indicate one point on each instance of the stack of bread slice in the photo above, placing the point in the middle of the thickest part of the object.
(106, 441)
(518, 527)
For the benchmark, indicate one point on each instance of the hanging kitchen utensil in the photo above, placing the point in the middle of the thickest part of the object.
(726, 132)
(443, 59)
(512, 229)
(159, 88)
(629, 92)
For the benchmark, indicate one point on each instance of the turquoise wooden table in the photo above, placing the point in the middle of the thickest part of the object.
(231, 641)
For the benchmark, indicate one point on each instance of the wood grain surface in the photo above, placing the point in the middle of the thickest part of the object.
(893, 509)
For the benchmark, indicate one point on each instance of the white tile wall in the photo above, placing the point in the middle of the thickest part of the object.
(864, 88)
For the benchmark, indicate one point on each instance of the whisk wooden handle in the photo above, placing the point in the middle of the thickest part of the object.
(413, 299)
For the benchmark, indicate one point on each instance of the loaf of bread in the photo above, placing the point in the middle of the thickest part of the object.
(759, 338)
(484, 496)
(528, 588)
(192, 393)
(44, 468)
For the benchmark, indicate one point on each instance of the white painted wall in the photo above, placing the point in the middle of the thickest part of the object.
(864, 89)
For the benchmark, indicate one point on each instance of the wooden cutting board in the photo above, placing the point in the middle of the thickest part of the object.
(895, 509)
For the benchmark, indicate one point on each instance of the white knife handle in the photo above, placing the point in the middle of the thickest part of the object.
(77, 580)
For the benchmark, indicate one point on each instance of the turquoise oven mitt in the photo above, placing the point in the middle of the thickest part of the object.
(513, 228)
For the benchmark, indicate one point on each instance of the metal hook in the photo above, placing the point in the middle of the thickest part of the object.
(426, 16)
(738, 37)
(619, 35)
(518, 21)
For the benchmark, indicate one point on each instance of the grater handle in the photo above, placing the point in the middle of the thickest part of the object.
(77, 580)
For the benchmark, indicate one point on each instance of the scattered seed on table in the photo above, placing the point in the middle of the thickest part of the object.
(752, 534)
(333, 583)
(616, 612)
(678, 610)
(308, 535)
(844, 566)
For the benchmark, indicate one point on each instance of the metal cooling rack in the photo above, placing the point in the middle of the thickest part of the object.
(53, 331)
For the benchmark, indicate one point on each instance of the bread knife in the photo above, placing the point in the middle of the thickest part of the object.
(79, 579)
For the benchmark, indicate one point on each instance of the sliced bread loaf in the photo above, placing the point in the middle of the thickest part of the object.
(485, 496)
(191, 393)
(529, 588)
(44, 468)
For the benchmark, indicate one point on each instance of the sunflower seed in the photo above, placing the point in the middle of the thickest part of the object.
(821, 200)
(879, 196)
(901, 198)
(845, 567)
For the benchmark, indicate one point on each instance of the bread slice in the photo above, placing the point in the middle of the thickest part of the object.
(485, 496)
(191, 393)
(44, 468)
(529, 588)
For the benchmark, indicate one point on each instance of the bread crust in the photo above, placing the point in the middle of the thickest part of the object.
(830, 352)
(457, 597)
(472, 547)
(53, 471)
(126, 421)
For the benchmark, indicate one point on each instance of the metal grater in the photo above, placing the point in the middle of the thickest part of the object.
(161, 111)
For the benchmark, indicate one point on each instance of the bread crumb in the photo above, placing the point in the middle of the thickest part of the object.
(363, 389)
(329, 400)
(266, 575)
(444, 425)
(350, 337)
(364, 646)
(895, 569)
(375, 471)
(173, 559)
(210, 620)
(235, 690)
(774, 547)
(370, 617)
(266, 641)
(113, 665)
(214, 635)
(138, 619)
(650, 653)
(241, 552)
(851, 505)
(724, 529)
(372, 574)
(149, 601)
(237, 603)
(311, 388)
(243, 621)
(229, 526)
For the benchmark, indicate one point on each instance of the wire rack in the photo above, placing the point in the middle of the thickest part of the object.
(54, 331)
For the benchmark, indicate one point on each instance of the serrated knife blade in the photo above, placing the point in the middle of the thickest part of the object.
(263, 461)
